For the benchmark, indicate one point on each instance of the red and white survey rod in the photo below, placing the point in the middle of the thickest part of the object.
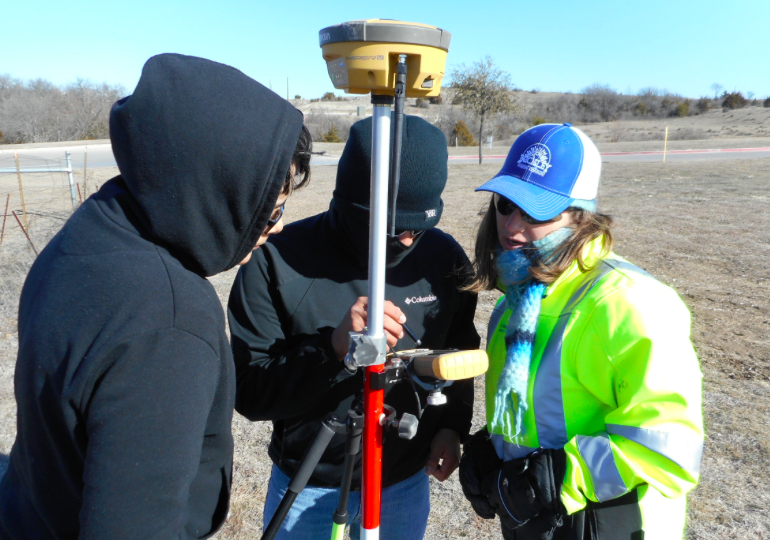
(371, 482)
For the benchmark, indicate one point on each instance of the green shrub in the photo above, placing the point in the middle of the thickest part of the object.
(331, 135)
(703, 104)
(734, 100)
(435, 100)
(640, 109)
(2, 137)
(766, 103)
(420, 103)
(328, 96)
(463, 135)
(537, 120)
(682, 109)
(457, 101)
(297, 97)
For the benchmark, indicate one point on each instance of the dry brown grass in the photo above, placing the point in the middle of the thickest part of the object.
(701, 227)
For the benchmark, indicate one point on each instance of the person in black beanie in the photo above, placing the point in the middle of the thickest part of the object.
(125, 381)
(290, 311)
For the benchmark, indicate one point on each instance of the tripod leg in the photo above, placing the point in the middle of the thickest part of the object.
(300, 478)
(352, 445)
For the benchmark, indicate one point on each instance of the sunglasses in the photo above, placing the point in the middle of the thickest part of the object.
(413, 234)
(275, 217)
(506, 207)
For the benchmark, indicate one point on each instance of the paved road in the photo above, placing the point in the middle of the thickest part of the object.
(673, 155)
(98, 156)
(101, 156)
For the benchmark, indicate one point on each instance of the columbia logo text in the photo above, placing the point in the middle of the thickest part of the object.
(420, 299)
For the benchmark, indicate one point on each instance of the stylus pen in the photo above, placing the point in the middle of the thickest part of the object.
(411, 335)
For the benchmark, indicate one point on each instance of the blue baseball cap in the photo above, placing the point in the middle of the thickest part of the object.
(549, 168)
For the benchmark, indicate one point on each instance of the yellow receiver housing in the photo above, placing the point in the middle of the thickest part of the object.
(361, 56)
(448, 365)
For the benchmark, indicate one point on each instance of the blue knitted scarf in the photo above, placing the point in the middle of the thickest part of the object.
(523, 296)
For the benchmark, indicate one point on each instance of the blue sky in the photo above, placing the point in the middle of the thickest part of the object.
(557, 45)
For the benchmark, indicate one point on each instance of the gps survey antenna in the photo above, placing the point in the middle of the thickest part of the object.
(362, 56)
(389, 59)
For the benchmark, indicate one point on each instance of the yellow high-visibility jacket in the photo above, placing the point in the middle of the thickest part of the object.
(613, 380)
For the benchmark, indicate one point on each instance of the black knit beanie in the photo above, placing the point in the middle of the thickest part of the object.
(423, 173)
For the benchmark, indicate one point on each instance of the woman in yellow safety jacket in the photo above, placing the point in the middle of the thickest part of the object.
(593, 395)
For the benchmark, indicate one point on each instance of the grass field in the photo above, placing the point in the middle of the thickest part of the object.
(699, 227)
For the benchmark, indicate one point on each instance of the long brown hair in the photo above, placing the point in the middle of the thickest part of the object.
(587, 227)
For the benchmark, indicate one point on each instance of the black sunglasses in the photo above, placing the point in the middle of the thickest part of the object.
(414, 234)
(506, 207)
(275, 217)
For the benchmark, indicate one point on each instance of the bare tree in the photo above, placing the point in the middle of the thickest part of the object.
(617, 132)
(39, 111)
(88, 106)
(602, 100)
(323, 125)
(484, 90)
(716, 87)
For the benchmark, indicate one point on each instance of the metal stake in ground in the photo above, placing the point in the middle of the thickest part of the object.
(71, 179)
(25, 232)
(21, 189)
(5, 216)
(85, 173)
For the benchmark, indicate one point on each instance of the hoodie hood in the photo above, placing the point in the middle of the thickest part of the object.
(204, 151)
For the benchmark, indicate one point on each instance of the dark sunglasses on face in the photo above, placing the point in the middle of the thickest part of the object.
(414, 234)
(507, 207)
(275, 217)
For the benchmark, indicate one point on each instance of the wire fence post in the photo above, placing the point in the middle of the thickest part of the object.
(21, 190)
(85, 174)
(71, 178)
(5, 216)
(665, 145)
(25, 233)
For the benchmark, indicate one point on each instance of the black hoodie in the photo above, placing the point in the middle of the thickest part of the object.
(283, 308)
(124, 379)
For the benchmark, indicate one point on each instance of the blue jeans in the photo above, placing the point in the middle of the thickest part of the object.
(404, 515)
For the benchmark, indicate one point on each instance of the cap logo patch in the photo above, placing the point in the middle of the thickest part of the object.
(430, 213)
(536, 159)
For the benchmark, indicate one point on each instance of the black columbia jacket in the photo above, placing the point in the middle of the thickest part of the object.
(283, 307)
(125, 381)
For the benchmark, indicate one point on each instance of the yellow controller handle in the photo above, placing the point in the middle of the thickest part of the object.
(447, 365)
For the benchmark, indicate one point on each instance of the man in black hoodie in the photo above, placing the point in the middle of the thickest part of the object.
(290, 313)
(125, 381)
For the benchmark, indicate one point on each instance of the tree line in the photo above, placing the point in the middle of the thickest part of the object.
(40, 111)
(479, 99)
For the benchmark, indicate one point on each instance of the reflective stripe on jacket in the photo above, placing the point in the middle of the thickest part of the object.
(614, 380)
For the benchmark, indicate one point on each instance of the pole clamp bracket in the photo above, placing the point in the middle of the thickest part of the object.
(365, 351)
